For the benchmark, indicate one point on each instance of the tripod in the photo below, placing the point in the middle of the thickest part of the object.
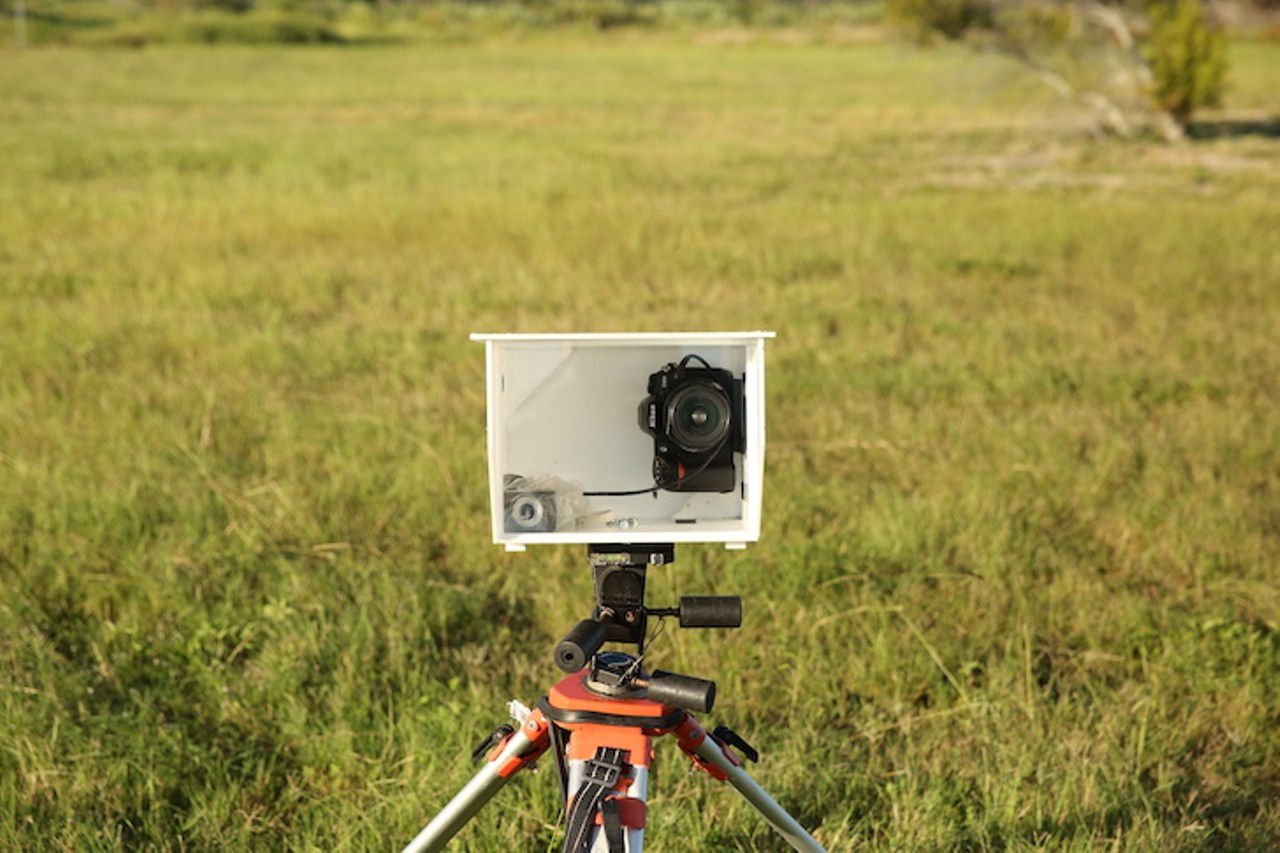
(601, 719)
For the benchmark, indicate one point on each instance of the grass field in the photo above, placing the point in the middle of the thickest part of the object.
(1018, 583)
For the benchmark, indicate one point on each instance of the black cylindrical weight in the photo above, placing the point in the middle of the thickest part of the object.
(682, 691)
(710, 611)
(577, 647)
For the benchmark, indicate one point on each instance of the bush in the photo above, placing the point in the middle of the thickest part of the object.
(262, 28)
(949, 18)
(1188, 58)
(217, 28)
(602, 14)
(225, 5)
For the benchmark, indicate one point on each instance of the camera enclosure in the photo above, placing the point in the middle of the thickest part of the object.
(640, 438)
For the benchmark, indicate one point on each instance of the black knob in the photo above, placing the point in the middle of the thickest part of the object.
(710, 611)
(682, 691)
(577, 647)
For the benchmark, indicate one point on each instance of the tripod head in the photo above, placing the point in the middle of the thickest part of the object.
(620, 614)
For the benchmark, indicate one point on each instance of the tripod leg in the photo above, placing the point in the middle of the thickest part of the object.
(519, 750)
(708, 751)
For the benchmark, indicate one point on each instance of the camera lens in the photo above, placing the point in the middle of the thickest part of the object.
(698, 416)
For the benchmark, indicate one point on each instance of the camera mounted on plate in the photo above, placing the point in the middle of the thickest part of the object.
(695, 417)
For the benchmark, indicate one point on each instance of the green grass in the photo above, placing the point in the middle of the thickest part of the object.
(1018, 581)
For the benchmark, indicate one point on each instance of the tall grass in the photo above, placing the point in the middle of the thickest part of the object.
(1017, 586)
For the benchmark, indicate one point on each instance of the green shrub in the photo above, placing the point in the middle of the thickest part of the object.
(602, 14)
(208, 25)
(225, 5)
(1188, 58)
(951, 19)
(259, 27)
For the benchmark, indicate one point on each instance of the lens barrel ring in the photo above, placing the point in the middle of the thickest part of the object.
(698, 415)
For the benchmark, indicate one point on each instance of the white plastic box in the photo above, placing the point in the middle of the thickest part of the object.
(564, 422)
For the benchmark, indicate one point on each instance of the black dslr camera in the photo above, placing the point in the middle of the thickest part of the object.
(695, 416)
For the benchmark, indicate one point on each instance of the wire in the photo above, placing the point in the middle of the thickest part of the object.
(678, 480)
(657, 633)
(684, 361)
(711, 457)
(627, 494)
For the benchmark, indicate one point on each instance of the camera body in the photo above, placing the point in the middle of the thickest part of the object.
(695, 417)
(569, 463)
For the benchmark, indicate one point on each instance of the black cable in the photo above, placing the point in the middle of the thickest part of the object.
(657, 485)
(686, 359)
(711, 457)
(651, 490)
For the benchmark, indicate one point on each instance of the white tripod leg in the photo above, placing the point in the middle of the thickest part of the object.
(711, 752)
(520, 749)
